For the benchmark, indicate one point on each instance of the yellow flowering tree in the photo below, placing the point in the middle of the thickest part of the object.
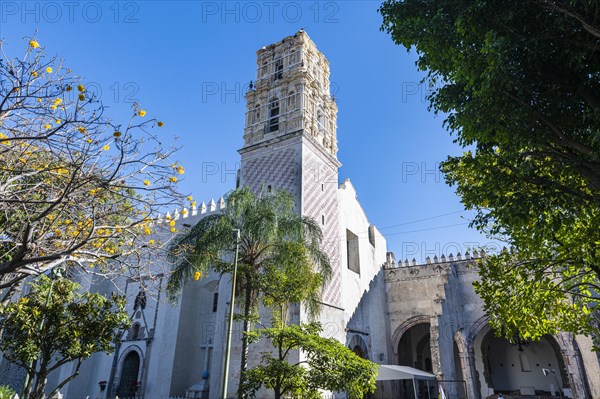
(76, 188)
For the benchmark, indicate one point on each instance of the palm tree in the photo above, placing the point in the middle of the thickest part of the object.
(279, 254)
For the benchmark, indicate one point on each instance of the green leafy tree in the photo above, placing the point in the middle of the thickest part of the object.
(523, 299)
(519, 84)
(274, 241)
(6, 392)
(53, 325)
(327, 365)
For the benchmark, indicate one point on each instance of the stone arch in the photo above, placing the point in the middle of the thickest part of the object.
(459, 340)
(478, 326)
(501, 365)
(125, 360)
(414, 347)
(357, 345)
(405, 326)
(476, 388)
(462, 366)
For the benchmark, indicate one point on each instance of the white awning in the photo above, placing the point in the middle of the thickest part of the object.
(392, 372)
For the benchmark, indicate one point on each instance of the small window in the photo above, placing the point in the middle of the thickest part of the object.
(264, 69)
(321, 121)
(278, 69)
(135, 332)
(322, 187)
(372, 235)
(323, 220)
(274, 115)
(352, 251)
(291, 101)
(256, 114)
(215, 301)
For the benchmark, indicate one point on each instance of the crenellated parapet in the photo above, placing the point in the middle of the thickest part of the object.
(202, 210)
(468, 256)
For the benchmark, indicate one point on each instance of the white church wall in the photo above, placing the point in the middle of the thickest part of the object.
(371, 257)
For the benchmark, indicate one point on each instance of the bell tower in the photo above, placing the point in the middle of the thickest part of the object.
(290, 137)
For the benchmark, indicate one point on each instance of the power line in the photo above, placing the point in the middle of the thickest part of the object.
(364, 234)
(420, 220)
(431, 228)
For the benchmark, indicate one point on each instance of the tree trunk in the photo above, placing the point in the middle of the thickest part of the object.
(27, 388)
(39, 390)
(244, 359)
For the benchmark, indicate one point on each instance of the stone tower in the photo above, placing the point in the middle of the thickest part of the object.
(290, 137)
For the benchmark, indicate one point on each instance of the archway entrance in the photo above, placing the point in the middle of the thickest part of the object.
(358, 346)
(534, 368)
(414, 350)
(128, 383)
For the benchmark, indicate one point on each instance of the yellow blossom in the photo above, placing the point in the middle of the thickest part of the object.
(58, 121)
(88, 141)
(189, 198)
(173, 229)
(146, 182)
(81, 129)
(47, 126)
(48, 70)
(117, 134)
(160, 124)
(81, 97)
(173, 179)
(34, 74)
(69, 88)
(39, 100)
(180, 170)
(142, 113)
(92, 192)
(58, 101)
(184, 212)
(151, 242)
(81, 88)
(172, 223)
(106, 147)
(53, 107)
(34, 44)
(197, 276)
(193, 204)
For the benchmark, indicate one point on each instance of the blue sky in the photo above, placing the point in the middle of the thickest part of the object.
(188, 63)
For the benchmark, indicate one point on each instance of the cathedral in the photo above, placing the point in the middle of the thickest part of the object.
(426, 316)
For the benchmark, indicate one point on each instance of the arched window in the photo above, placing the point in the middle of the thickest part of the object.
(135, 332)
(273, 115)
(291, 101)
(321, 121)
(278, 69)
(292, 58)
(128, 383)
(256, 114)
(264, 69)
